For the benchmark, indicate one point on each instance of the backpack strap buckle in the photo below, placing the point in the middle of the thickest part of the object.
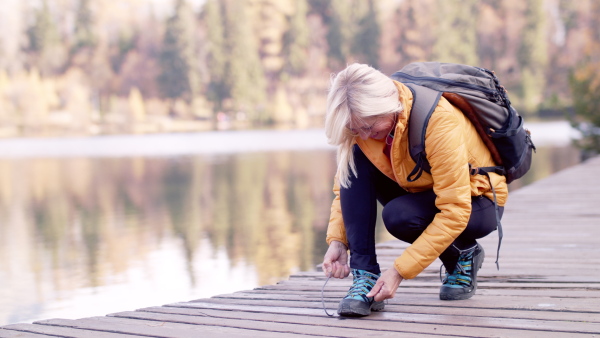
(484, 170)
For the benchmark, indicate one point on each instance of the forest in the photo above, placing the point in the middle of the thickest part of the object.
(83, 67)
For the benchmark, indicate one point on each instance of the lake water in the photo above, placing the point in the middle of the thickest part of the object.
(98, 225)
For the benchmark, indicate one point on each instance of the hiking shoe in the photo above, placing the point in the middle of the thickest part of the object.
(462, 283)
(356, 303)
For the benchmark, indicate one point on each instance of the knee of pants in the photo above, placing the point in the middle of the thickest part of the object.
(402, 224)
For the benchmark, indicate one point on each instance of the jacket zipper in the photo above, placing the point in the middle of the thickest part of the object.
(393, 172)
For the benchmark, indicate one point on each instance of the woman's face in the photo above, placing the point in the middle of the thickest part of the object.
(375, 127)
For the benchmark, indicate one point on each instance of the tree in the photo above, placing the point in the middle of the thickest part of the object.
(217, 51)
(4, 102)
(44, 42)
(491, 38)
(136, 105)
(84, 27)
(415, 34)
(296, 40)
(366, 43)
(585, 88)
(456, 32)
(532, 56)
(339, 33)
(244, 75)
(178, 77)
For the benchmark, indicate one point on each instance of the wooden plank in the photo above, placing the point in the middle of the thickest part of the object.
(403, 294)
(406, 284)
(515, 282)
(545, 304)
(488, 292)
(36, 330)
(267, 324)
(160, 328)
(543, 312)
(434, 277)
(409, 321)
(525, 313)
(20, 334)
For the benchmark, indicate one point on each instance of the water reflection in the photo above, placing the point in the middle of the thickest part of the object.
(71, 224)
(548, 160)
(84, 236)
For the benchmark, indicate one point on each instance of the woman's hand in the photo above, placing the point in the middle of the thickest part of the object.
(336, 260)
(386, 285)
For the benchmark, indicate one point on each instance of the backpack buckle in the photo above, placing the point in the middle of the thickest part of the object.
(473, 170)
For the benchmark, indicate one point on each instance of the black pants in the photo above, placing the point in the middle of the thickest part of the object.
(405, 215)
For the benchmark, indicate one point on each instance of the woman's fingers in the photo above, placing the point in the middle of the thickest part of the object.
(383, 294)
(339, 270)
(376, 289)
(327, 268)
(335, 261)
(386, 285)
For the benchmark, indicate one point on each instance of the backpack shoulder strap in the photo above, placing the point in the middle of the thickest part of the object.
(424, 102)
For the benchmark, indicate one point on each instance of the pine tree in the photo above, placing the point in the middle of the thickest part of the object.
(84, 27)
(585, 88)
(244, 76)
(217, 52)
(178, 77)
(339, 33)
(456, 33)
(532, 56)
(491, 35)
(42, 34)
(44, 42)
(366, 42)
(296, 40)
(4, 102)
(415, 34)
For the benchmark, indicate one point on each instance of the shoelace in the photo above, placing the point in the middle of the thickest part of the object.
(461, 270)
(360, 286)
(323, 298)
(323, 290)
(451, 277)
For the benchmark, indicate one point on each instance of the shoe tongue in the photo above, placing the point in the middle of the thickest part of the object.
(365, 273)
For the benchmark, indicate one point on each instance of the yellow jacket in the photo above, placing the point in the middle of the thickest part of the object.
(451, 143)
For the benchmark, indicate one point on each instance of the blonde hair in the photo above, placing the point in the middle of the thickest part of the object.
(358, 91)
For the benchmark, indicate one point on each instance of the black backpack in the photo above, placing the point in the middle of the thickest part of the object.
(478, 94)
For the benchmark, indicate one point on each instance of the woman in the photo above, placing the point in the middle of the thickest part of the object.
(441, 214)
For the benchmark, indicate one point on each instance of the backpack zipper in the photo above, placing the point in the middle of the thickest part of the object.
(489, 92)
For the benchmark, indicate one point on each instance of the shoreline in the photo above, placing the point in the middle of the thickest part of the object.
(558, 133)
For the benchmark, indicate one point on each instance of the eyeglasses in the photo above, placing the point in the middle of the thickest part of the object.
(356, 132)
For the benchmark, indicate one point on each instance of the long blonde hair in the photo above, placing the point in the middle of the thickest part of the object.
(360, 91)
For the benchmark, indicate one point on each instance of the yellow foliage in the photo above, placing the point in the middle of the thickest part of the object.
(136, 105)
(4, 109)
(282, 110)
(3, 80)
(589, 72)
(201, 107)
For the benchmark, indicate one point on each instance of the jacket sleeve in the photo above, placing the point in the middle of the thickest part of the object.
(448, 156)
(336, 230)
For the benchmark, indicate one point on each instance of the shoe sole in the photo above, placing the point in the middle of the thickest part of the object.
(357, 308)
(447, 293)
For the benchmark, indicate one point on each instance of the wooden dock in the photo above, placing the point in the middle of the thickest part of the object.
(548, 286)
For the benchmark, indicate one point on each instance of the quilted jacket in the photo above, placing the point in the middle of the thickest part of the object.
(451, 143)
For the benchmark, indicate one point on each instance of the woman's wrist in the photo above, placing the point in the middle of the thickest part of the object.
(338, 244)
